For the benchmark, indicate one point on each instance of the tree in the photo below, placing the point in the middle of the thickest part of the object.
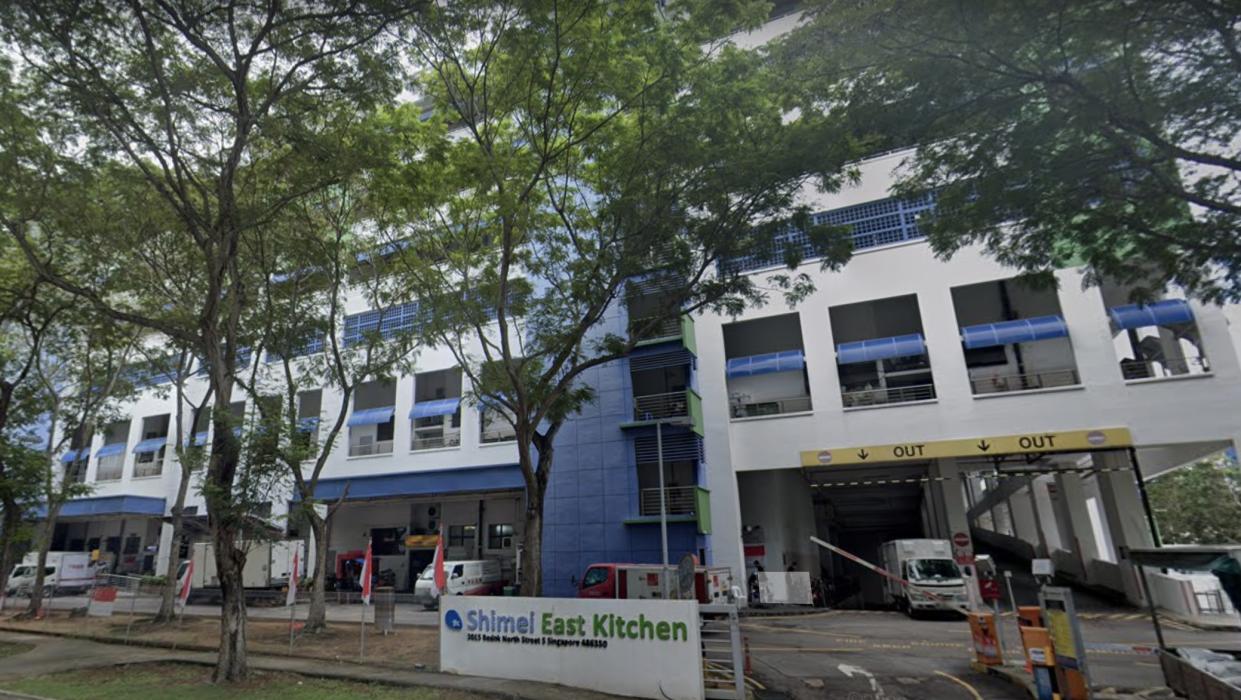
(80, 374)
(307, 340)
(1053, 133)
(191, 127)
(589, 145)
(1199, 504)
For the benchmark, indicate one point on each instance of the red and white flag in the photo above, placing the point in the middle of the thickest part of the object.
(366, 575)
(294, 574)
(184, 594)
(439, 578)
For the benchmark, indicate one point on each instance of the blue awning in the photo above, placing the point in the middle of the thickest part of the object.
(1024, 330)
(75, 455)
(505, 477)
(769, 363)
(372, 416)
(152, 445)
(875, 349)
(197, 439)
(115, 448)
(308, 424)
(107, 505)
(1168, 312)
(438, 407)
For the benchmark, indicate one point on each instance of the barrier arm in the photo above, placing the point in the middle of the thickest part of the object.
(877, 569)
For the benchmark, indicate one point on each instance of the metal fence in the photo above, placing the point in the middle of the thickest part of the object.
(674, 404)
(680, 500)
(1167, 367)
(880, 397)
(1002, 383)
(771, 407)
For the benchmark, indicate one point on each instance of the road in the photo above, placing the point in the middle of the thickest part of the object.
(867, 654)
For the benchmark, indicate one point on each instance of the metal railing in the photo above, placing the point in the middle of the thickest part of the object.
(771, 407)
(110, 468)
(379, 447)
(1003, 383)
(1168, 367)
(430, 439)
(680, 500)
(148, 468)
(881, 397)
(664, 328)
(674, 404)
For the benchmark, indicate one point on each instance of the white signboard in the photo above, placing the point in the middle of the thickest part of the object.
(785, 588)
(642, 648)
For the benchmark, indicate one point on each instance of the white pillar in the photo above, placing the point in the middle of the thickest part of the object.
(1076, 533)
(952, 498)
(1040, 542)
(167, 548)
(1126, 518)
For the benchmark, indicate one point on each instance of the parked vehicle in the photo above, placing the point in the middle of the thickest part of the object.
(935, 580)
(267, 567)
(473, 577)
(63, 571)
(711, 584)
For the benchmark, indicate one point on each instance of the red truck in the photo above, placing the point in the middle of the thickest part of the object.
(711, 584)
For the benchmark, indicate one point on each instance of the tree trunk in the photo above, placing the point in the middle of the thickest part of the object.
(316, 619)
(12, 520)
(230, 560)
(45, 542)
(532, 549)
(168, 602)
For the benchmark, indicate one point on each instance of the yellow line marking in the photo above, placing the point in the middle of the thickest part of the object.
(794, 630)
(961, 683)
(810, 650)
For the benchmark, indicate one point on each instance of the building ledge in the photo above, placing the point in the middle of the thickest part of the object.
(924, 402)
(791, 414)
(351, 458)
(654, 519)
(1160, 380)
(427, 450)
(1029, 392)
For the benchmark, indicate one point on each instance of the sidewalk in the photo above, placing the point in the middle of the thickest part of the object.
(54, 654)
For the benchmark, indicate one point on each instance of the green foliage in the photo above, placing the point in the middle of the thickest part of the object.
(1055, 133)
(1199, 504)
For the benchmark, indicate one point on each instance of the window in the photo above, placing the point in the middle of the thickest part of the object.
(132, 544)
(457, 571)
(497, 533)
(461, 536)
(594, 576)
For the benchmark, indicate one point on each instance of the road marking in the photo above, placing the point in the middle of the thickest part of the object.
(795, 630)
(812, 650)
(874, 684)
(961, 683)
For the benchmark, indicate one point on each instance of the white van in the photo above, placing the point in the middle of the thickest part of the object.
(63, 571)
(473, 577)
(935, 580)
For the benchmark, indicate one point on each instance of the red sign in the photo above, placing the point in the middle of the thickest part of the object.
(961, 539)
(962, 552)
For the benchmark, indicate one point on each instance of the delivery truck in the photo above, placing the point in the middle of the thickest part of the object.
(267, 568)
(64, 572)
(711, 584)
(473, 577)
(934, 580)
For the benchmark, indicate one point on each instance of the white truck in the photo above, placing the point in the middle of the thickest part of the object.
(63, 571)
(935, 580)
(267, 567)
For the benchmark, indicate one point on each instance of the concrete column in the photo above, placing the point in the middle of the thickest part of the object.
(952, 498)
(1074, 521)
(1040, 541)
(167, 548)
(1126, 519)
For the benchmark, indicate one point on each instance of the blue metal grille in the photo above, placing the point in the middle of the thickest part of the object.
(386, 322)
(313, 346)
(872, 224)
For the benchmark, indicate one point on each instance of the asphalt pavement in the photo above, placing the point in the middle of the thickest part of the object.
(878, 654)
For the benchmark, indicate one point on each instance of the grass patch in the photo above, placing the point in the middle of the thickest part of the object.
(190, 682)
(13, 648)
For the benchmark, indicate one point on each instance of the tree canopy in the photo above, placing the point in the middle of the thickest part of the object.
(1053, 133)
(1199, 504)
